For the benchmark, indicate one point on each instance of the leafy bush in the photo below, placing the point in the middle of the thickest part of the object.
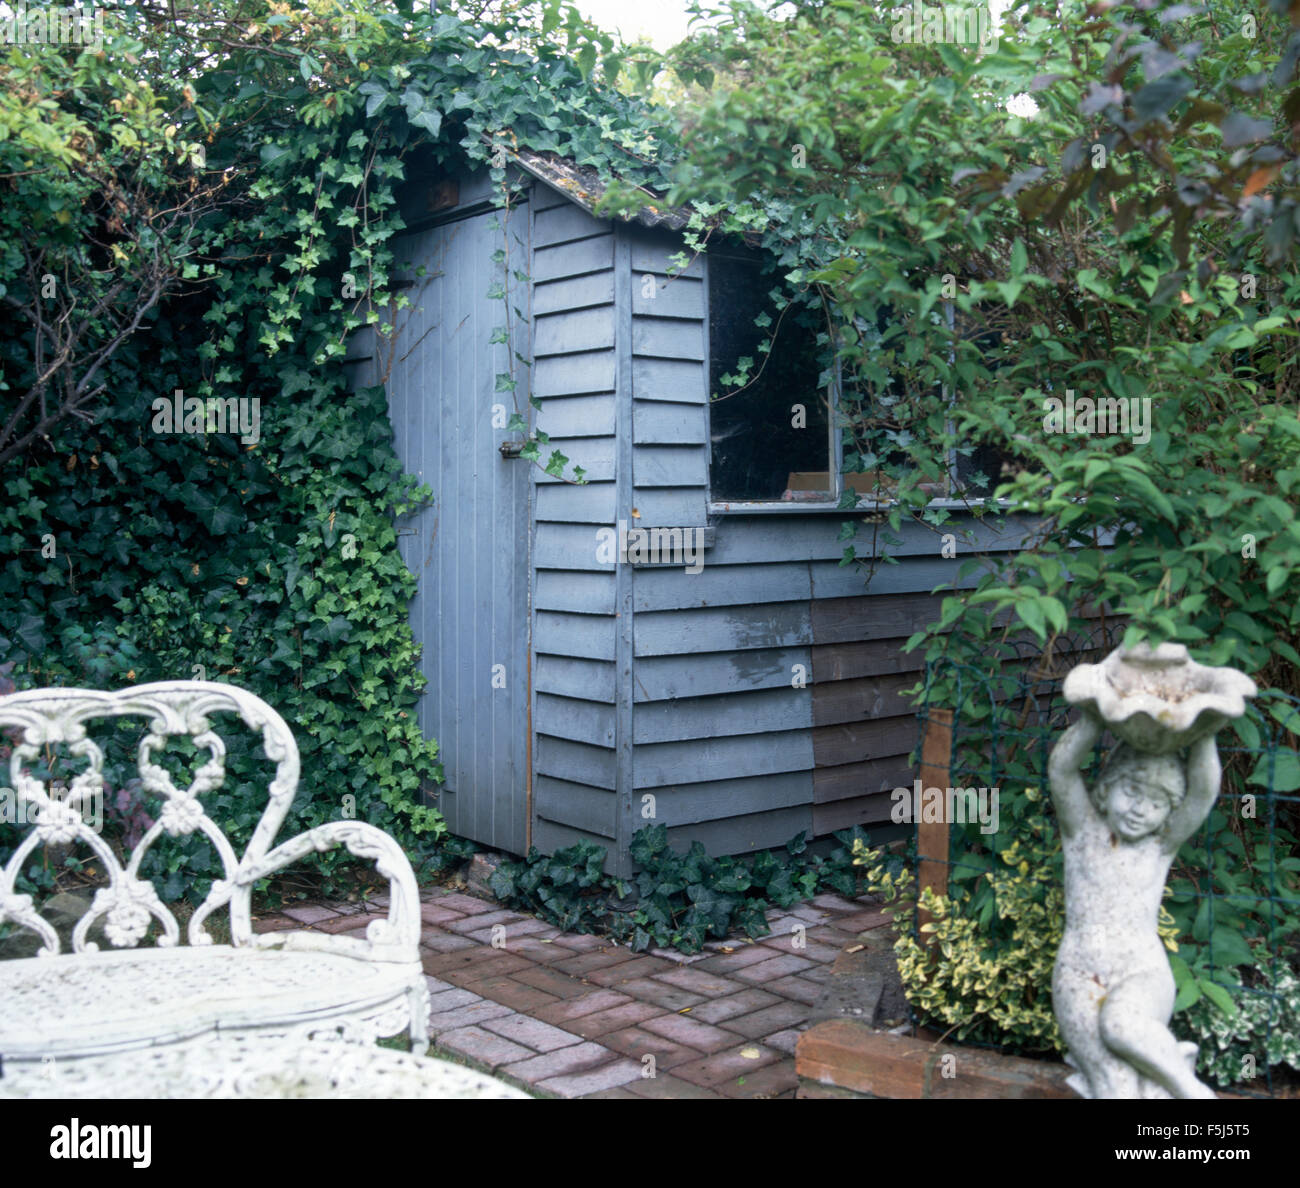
(982, 965)
(1262, 1030)
(682, 899)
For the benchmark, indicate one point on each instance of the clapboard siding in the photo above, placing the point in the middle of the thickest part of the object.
(658, 296)
(579, 292)
(752, 540)
(671, 507)
(549, 837)
(748, 712)
(661, 678)
(594, 454)
(572, 332)
(563, 224)
(853, 742)
(578, 806)
(745, 834)
(568, 546)
(574, 375)
(721, 585)
(573, 259)
(690, 804)
(575, 378)
(700, 760)
(655, 251)
(669, 466)
(681, 633)
(857, 781)
(578, 763)
(668, 338)
(568, 717)
(592, 679)
(678, 381)
(577, 416)
(590, 504)
(844, 814)
(662, 422)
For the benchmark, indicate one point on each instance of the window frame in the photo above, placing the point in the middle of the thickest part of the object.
(834, 449)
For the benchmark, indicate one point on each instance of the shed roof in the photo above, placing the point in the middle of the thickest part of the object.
(585, 187)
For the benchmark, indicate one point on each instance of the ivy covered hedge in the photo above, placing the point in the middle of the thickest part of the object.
(220, 196)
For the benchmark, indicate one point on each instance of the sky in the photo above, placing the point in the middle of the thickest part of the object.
(663, 21)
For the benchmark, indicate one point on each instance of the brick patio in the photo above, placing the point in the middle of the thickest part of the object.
(570, 1015)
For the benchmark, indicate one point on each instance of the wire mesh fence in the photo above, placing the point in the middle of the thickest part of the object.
(989, 845)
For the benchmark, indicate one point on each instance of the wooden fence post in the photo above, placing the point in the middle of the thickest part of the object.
(932, 836)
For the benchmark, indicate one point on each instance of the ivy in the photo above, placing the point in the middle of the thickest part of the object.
(267, 558)
(676, 900)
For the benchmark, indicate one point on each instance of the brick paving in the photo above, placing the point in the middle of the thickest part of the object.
(568, 1015)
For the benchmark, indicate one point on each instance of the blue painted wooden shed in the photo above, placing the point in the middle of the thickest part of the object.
(577, 695)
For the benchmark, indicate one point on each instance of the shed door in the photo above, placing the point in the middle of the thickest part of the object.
(469, 548)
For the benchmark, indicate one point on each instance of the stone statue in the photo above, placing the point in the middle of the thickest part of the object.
(1112, 988)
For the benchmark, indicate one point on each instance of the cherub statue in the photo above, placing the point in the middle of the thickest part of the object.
(1112, 989)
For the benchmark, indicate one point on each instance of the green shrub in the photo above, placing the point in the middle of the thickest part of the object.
(682, 899)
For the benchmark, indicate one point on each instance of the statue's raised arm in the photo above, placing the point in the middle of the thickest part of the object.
(1203, 774)
(1068, 756)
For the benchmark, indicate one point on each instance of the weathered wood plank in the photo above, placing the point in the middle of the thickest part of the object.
(570, 590)
(592, 679)
(574, 331)
(579, 292)
(668, 338)
(718, 799)
(568, 546)
(594, 454)
(563, 224)
(592, 503)
(655, 296)
(872, 777)
(844, 814)
(568, 717)
(573, 259)
(670, 466)
(659, 678)
(659, 764)
(577, 416)
(589, 637)
(662, 422)
(868, 697)
(885, 616)
(758, 712)
(575, 762)
(671, 507)
(548, 836)
(682, 382)
(652, 251)
(918, 575)
(686, 632)
(745, 835)
(814, 538)
(572, 375)
(862, 658)
(721, 585)
(854, 742)
(576, 805)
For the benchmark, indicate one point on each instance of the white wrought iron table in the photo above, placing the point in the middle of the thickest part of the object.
(240, 1066)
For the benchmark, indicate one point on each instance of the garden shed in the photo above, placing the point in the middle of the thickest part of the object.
(582, 695)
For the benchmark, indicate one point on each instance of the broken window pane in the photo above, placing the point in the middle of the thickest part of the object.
(769, 424)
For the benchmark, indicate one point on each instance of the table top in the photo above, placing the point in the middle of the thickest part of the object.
(243, 1066)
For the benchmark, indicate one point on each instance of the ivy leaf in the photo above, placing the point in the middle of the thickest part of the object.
(430, 119)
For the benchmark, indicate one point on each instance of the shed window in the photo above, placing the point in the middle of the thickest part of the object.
(769, 407)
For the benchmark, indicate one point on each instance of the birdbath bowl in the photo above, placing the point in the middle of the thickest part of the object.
(1159, 700)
